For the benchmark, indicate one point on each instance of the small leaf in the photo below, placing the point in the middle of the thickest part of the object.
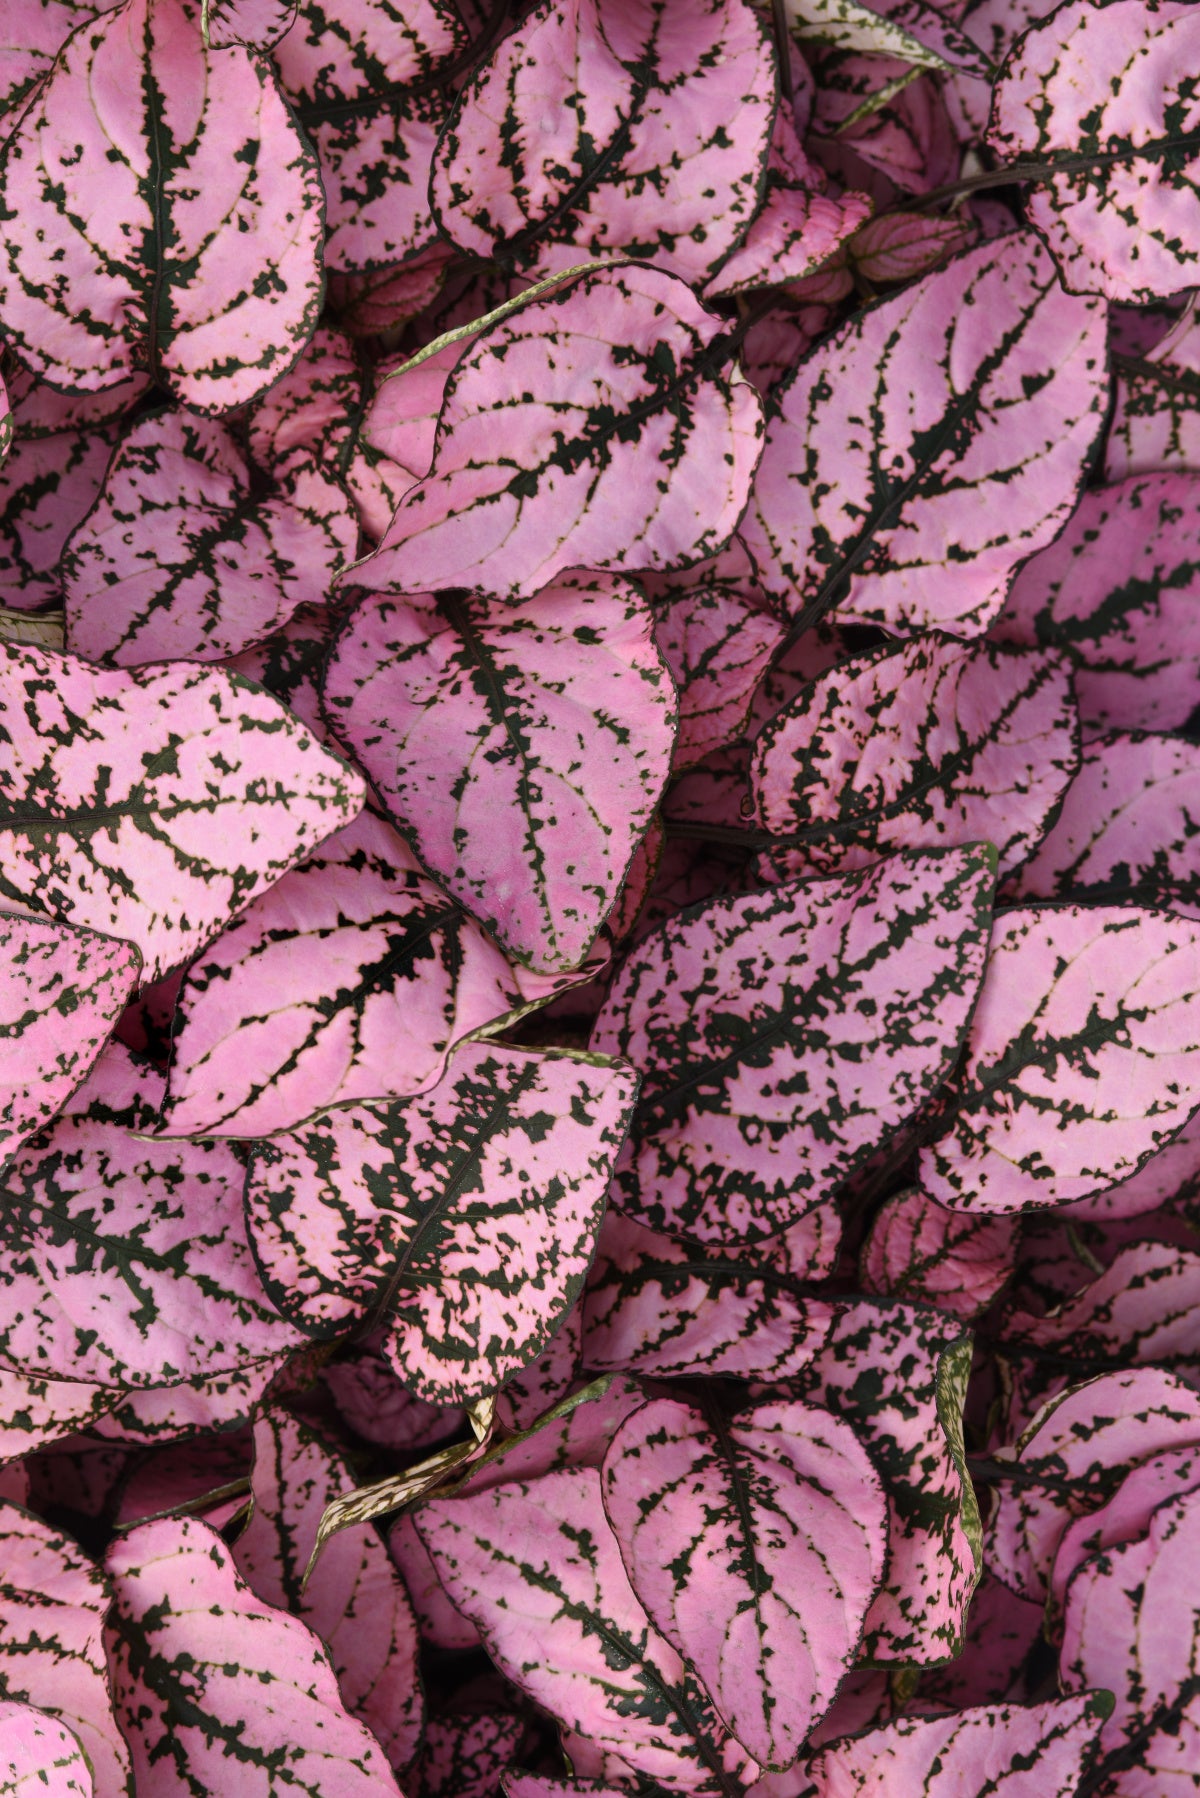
(465, 1755)
(1127, 1515)
(47, 485)
(34, 1412)
(912, 30)
(920, 1251)
(255, 23)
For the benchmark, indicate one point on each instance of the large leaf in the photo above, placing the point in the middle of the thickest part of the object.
(523, 751)
(981, 389)
(930, 742)
(353, 977)
(637, 452)
(1103, 92)
(153, 805)
(462, 1223)
(31, 35)
(1118, 590)
(355, 1600)
(596, 133)
(538, 1569)
(183, 554)
(955, 1260)
(61, 991)
(783, 1035)
(218, 1692)
(1082, 1059)
(126, 1262)
(39, 1754)
(131, 272)
(756, 1543)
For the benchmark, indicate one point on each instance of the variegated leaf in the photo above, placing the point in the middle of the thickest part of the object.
(255, 23)
(958, 1261)
(39, 1756)
(914, 31)
(1156, 406)
(466, 1753)
(981, 390)
(1127, 1515)
(35, 1412)
(783, 1035)
(47, 484)
(133, 272)
(462, 1224)
(1141, 1308)
(289, 664)
(188, 777)
(522, 751)
(31, 34)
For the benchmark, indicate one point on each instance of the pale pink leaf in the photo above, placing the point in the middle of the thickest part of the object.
(466, 1753)
(309, 417)
(1082, 1058)
(195, 253)
(256, 23)
(1156, 407)
(1003, 1633)
(47, 485)
(31, 34)
(955, 1260)
(1141, 1308)
(782, 1035)
(442, 1625)
(1172, 1173)
(218, 1692)
(1104, 93)
(289, 664)
(400, 422)
(995, 25)
(157, 1414)
(1127, 1515)
(522, 751)
(637, 452)
(756, 1545)
(983, 388)
(39, 1756)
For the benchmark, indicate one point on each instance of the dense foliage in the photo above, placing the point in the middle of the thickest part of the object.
(599, 899)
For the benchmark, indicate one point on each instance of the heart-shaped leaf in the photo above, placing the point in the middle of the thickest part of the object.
(190, 1640)
(523, 750)
(983, 388)
(1082, 1058)
(1103, 95)
(39, 1754)
(783, 1034)
(353, 977)
(926, 742)
(462, 1222)
(756, 1544)
(215, 299)
(628, 369)
(538, 1570)
(188, 777)
(955, 1260)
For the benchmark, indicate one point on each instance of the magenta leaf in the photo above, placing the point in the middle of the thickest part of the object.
(875, 113)
(591, 134)
(1156, 409)
(1015, 1751)
(462, 1222)
(61, 991)
(784, 1034)
(255, 23)
(627, 369)
(917, 744)
(126, 1261)
(1006, 375)
(756, 1543)
(183, 1474)
(52, 1609)
(465, 1754)
(900, 246)
(354, 977)
(1118, 590)
(183, 556)
(1127, 1515)
(38, 1753)
(355, 1600)
(1102, 94)
(537, 1568)
(522, 751)
(442, 1625)
(1082, 1058)
(34, 1412)
(190, 1641)
(216, 299)
(958, 1261)
(191, 777)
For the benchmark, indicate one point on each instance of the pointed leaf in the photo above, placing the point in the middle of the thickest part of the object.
(189, 776)
(522, 751)
(39, 1754)
(784, 1034)
(912, 30)
(1104, 92)
(983, 386)
(920, 1251)
(628, 372)
(1082, 1058)
(215, 299)
(218, 1692)
(927, 742)
(756, 1545)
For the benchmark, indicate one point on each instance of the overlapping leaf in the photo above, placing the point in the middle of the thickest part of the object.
(912, 30)
(980, 392)
(38, 1753)
(214, 295)
(465, 1754)
(47, 484)
(782, 1035)
(1127, 1515)
(955, 1260)
(256, 23)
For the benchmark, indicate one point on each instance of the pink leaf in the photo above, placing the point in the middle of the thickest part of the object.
(637, 452)
(182, 256)
(901, 246)
(783, 1034)
(1103, 91)
(539, 1785)
(983, 386)
(34, 1412)
(462, 1222)
(591, 133)
(441, 1624)
(289, 664)
(158, 1414)
(1082, 1058)
(534, 1389)
(186, 1473)
(871, 114)
(30, 39)
(1156, 409)
(920, 1251)
(523, 751)
(256, 23)
(465, 1755)
(1128, 1514)
(47, 486)
(355, 1600)
(1003, 1632)
(309, 417)
(1141, 1308)
(907, 746)
(39, 1754)
(1173, 1172)
(372, 1402)
(211, 1685)
(756, 1544)
(538, 1569)
(401, 421)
